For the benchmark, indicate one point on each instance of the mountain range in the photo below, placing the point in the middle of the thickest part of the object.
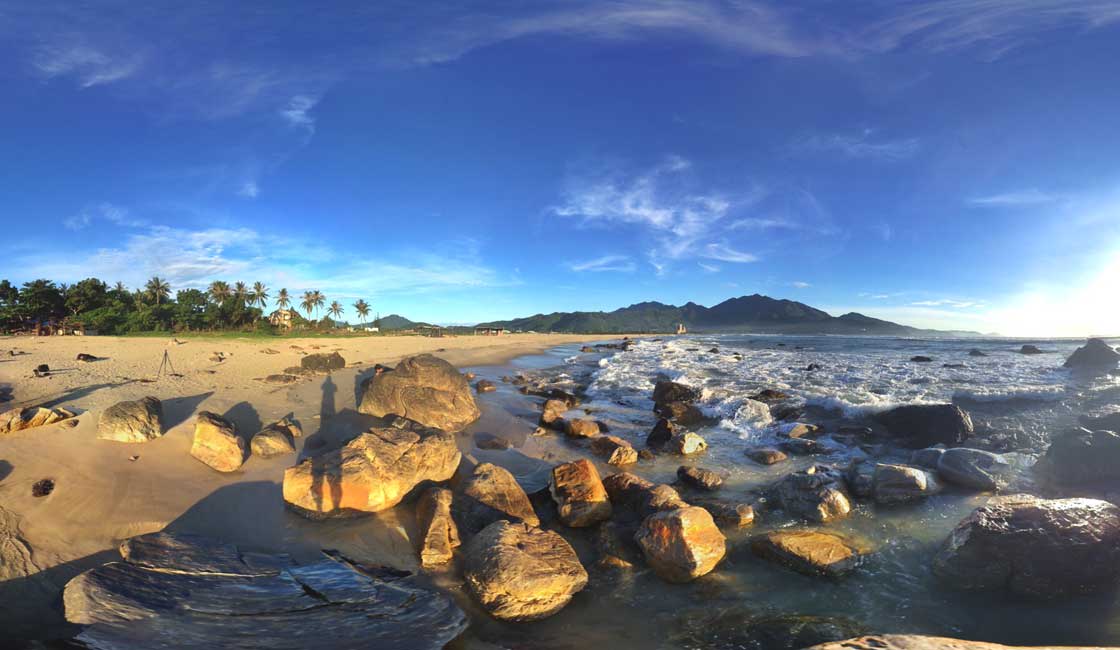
(754, 313)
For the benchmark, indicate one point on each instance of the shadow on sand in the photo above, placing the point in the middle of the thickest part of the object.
(178, 410)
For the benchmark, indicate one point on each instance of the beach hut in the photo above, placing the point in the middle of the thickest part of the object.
(488, 331)
(431, 331)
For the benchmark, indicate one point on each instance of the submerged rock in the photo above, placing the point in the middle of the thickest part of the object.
(1095, 355)
(425, 389)
(700, 478)
(817, 493)
(191, 592)
(485, 386)
(371, 473)
(1034, 547)
(581, 500)
(1081, 456)
(136, 421)
(682, 413)
(744, 630)
(492, 494)
(1030, 349)
(895, 484)
(681, 545)
(439, 536)
(661, 434)
(581, 428)
(521, 573)
(812, 552)
(925, 425)
(322, 362)
(976, 352)
(216, 443)
(665, 392)
(766, 456)
(974, 468)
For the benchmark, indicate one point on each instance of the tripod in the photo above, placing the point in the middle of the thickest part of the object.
(166, 363)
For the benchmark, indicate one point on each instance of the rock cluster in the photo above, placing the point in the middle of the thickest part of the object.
(926, 425)
(30, 417)
(424, 389)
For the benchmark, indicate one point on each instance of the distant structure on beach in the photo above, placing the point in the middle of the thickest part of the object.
(488, 331)
(681, 329)
(281, 318)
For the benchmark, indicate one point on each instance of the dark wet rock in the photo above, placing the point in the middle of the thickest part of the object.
(276, 439)
(817, 493)
(812, 552)
(491, 494)
(639, 496)
(974, 468)
(921, 359)
(216, 443)
(1030, 349)
(896, 484)
(485, 386)
(727, 514)
(87, 358)
(1081, 456)
(136, 421)
(769, 395)
(491, 441)
(812, 366)
(860, 478)
(975, 352)
(422, 388)
(803, 447)
(682, 413)
(927, 458)
(521, 573)
(42, 487)
(1095, 355)
(190, 592)
(552, 393)
(31, 417)
(682, 544)
(1034, 547)
(802, 430)
(373, 472)
(553, 414)
(687, 443)
(322, 362)
(954, 366)
(581, 500)
(766, 455)
(700, 478)
(617, 549)
(587, 349)
(439, 536)
(925, 425)
(615, 450)
(742, 630)
(916, 642)
(785, 412)
(671, 391)
(581, 428)
(661, 434)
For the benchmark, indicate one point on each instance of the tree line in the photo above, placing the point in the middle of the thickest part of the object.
(117, 310)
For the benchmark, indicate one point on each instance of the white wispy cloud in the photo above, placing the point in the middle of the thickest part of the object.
(798, 284)
(297, 113)
(1012, 199)
(764, 223)
(620, 263)
(947, 302)
(88, 65)
(710, 268)
(249, 189)
(105, 211)
(858, 145)
(725, 253)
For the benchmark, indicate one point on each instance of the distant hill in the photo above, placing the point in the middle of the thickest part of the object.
(755, 313)
(395, 322)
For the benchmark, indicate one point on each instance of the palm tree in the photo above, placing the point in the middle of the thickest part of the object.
(219, 291)
(335, 310)
(260, 294)
(120, 287)
(363, 310)
(318, 298)
(158, 289)
(241, 291)
(282, 299)
(308, 303)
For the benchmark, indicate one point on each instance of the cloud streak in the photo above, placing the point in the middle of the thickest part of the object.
(856, 146)
(619, 263)
(1015, 199)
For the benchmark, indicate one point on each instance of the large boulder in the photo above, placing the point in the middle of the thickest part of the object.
(916, 642)
(895, 484)
(216, 443)
(277, 439)
(817, 493)
(699, 477)
(581, 428)
(136, 421)
(192, 593)
(681, 545)
(439, 536)
(665, 392)
(1034, 547)
(322, 362)
(974, 468)
(31, 417)
(615, 450)
(492, 494)
(812, 552)
(925, 425)
(683, 413)
(1095, 355)
(641, 497)
(581, 500)
(371, 473)
(552, 415)
(661, 433)
(521, 573)
(425, 389)
(1081, 456)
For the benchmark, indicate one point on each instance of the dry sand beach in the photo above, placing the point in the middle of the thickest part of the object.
(107, 491)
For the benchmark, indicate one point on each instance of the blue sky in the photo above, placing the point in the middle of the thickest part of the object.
(942, 164)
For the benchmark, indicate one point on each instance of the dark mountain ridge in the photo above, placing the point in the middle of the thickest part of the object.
(754, 313)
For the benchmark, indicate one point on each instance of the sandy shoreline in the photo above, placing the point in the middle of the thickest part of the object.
(102, 496)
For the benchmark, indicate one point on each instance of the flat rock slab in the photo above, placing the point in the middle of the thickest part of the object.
(808, 551)
(915, 642)
(187, 591)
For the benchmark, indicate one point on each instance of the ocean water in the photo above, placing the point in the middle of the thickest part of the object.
(1016, 402)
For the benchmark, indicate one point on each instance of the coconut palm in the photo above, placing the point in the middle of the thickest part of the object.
(308, 303)
(219, 291)
(158, 289)
(335, 310)
(362, 308)
(282, 299)
(318, 298)
(241, 292)
(260, 294)
(120, 287)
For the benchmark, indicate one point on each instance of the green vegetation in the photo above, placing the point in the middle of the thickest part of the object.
(236, 310)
